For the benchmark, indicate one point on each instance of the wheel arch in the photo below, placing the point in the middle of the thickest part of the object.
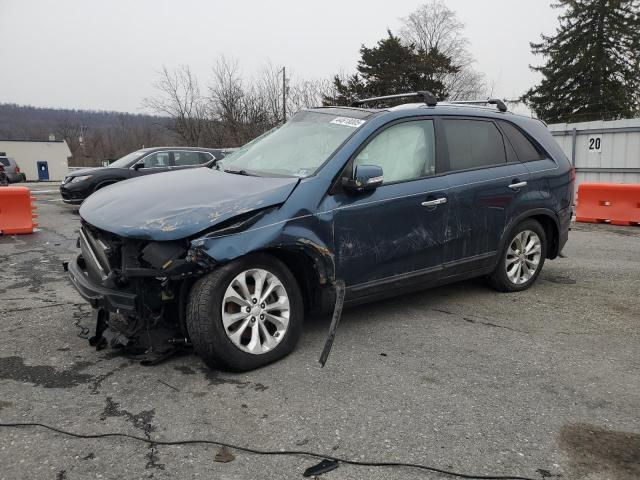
(549, 222)
(106, 183)
(311, 266)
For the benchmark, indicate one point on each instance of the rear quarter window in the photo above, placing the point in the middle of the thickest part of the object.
(525, 150)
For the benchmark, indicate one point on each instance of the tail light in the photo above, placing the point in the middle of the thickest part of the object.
(1, 168)
(17, 169)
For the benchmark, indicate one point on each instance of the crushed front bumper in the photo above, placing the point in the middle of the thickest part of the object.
(97, 295)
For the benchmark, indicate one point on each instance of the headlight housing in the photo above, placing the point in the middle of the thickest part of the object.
(81, 178)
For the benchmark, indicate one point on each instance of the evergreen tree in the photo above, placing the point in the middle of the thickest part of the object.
(390, 68)
(592, 71)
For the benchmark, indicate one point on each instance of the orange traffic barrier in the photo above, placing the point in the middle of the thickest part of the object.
(16, 211)
(615, 203)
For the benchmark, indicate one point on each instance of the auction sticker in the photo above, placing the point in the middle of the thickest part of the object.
(348, 122)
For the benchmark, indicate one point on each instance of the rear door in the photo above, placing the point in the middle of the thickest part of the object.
(488, 186)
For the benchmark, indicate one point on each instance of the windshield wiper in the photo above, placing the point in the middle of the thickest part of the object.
(238, 172)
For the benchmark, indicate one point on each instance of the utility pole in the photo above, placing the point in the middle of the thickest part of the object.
(81, 139)
(284, 95)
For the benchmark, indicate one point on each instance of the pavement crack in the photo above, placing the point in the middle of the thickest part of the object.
(483, 321)
(142, 421)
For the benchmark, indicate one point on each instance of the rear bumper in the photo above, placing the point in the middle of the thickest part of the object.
(97, 295)
(14, 177)
(564, 224)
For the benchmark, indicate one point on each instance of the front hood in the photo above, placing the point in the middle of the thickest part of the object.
(175, 205)
(84, 171)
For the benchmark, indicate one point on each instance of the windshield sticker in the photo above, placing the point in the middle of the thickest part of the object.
(348, 122)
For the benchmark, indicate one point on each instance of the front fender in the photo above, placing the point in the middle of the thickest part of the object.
(307, 234)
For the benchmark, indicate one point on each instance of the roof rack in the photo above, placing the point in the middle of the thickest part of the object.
(428, 98)
(492, 101)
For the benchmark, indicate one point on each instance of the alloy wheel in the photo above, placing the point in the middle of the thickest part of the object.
(523, 257)
(255, 311)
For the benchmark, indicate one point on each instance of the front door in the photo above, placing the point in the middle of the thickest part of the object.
(43, 171)
(395, 233)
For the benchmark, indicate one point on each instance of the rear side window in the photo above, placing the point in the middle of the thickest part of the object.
(205, 157)
(525, 150)
(185, 159)
(4, 161)
(473, 144)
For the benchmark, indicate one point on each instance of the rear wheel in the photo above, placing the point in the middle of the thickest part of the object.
(245, 314)
(522, 258)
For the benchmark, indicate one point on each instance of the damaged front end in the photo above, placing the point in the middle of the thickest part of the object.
(136, 287)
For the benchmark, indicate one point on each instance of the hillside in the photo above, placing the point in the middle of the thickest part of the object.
(107, 135)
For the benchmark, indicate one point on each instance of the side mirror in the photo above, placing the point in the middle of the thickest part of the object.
(366, 178)
(138, 166)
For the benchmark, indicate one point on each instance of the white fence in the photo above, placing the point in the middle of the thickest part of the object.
(602, 152)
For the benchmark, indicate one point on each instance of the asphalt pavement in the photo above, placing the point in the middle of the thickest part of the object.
(543, 383)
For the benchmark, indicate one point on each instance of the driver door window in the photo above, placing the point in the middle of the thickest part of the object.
(157, 160)
(405, 151)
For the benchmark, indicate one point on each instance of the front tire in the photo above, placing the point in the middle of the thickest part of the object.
(245, 314)
(521, 259)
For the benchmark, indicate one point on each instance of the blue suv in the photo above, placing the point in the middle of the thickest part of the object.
(230, 258)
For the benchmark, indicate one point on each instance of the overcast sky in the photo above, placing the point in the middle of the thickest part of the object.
(106, 54)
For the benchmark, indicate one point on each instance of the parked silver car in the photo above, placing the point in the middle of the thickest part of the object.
(11, 170)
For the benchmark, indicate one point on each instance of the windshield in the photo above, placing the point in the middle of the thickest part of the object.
(298, 148)
(127, 160)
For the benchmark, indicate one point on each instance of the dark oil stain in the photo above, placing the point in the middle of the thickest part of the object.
(91, 456)
(13, 368)
(5, 404)
(142, 421)
(595, 450)
(215, 379)
(62, 475)
(185, 369)
(559, 279)
(547, 474)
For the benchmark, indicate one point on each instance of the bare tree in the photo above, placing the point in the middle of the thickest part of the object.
(435, 26)
(180, 98)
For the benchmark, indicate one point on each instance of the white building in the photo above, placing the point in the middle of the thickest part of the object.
(39, 160)
(602, 151)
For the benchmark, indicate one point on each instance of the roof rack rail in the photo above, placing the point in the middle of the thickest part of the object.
(428, 98)
(492, 101)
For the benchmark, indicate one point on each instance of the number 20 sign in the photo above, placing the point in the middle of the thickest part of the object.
(595, 143)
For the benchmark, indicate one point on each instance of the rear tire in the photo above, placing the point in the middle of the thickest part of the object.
(232, 332)
(521, 259)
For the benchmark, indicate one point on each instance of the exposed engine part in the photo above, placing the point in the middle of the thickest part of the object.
(160, 255)
(150, 340)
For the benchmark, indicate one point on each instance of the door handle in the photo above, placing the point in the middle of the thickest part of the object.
(517, 186)
(434, 203)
